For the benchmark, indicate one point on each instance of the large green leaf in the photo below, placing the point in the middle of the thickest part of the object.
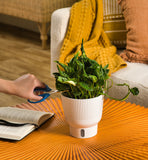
(86, 86)
(67, 80)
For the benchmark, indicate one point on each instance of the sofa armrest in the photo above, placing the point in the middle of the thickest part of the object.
(59, 23)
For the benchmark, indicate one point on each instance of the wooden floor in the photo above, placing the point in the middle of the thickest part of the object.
(21, 53)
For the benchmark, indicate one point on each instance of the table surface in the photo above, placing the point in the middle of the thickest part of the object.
(122, 134)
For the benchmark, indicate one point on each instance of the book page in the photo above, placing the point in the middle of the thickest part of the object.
(22, 116)
(15, 133)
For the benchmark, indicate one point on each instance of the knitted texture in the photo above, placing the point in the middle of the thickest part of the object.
(86, 22)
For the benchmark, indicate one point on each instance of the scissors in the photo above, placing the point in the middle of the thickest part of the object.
(44, 95)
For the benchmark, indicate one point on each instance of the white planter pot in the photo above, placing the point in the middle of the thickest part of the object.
(83, 115)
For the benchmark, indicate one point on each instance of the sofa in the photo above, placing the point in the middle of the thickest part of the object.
(135, 74)
(38, 11)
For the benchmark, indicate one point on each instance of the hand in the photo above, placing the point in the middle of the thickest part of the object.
(25, 85)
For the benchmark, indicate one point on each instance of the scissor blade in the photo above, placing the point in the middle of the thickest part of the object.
(53, 91)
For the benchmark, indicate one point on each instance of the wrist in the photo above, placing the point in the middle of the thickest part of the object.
(7, 86)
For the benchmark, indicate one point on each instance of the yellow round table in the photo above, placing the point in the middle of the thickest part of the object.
(122, 134)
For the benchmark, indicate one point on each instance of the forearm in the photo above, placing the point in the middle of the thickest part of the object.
(7, 86)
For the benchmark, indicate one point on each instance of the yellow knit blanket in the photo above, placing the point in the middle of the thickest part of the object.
(86, 22)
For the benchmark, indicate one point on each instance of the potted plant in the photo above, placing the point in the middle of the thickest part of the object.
(84, 83)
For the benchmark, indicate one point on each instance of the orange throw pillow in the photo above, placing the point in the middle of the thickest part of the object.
(136, 18)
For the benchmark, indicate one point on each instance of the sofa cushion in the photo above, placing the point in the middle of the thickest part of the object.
(136, 75)
(114, 23)
(136, 18)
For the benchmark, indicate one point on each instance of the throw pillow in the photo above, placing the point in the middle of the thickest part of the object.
(114, 23)
(136, 17)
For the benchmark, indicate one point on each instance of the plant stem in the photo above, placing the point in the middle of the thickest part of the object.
(122, 99)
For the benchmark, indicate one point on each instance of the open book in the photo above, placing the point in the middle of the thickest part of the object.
(16, 123)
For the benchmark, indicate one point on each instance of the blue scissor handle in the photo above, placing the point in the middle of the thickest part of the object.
(45, 96)
(45, 89)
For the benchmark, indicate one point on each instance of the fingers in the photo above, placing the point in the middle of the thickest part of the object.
(36, 98)
(34, 81)
(39, 83)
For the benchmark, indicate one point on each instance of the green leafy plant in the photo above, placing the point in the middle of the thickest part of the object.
(83, 78)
